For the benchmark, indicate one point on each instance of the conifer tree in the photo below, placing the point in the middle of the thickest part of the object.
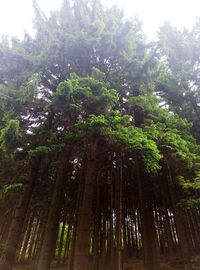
(99, 142)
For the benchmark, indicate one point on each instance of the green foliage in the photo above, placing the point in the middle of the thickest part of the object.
(171, 141)
(29, 90)
(89, 72)
(12, 188)
(10, 135)
(92, 123)
(52, 149)
(97, 74)
(178, 83)
(134, 139)
(85, 94)
(39, 150)
(148, 103)
(170, 132)
(117, 129)
(190, 189)
(9, 189)
(189, 185)
(190, 203)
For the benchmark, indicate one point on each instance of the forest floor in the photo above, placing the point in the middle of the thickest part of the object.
(177, 264)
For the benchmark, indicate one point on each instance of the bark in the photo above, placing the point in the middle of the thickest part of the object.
(49, 239)
(79, 198)
(36, 240)
(119, 221)
(6, 225)
(67, 244)
(26, 238)
(104, 223)
(43, 218)
(194, 230)
(81, 253)
(149, 237)
(169, 234)
(9, 252)
(96, 229)
(168, 231)
(178, 216)
(32, 238)
(111, 224)
(61, 242)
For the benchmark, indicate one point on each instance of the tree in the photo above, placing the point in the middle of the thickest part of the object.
(96, 131)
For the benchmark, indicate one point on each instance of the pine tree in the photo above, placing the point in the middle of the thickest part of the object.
(99, 141)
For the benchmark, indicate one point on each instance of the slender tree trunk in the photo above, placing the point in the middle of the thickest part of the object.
(79, 197)
(104, 221)
(24, 232)
(171, 248)
(111, 224)
(26, 238)
(81, 253)
(35, 244)
(49, 239)
(43, 218)
(119, 221)
(6, 225)
(168, 232)
(61, 242)
(96, 229)
(67, 244)
(195, 233)
(149, 237)
(8, 255)
(178, 216)
(150, 241)
(32, 238)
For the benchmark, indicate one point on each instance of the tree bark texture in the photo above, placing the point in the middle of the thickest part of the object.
(83, 234)
(9, 252)
(49, 238)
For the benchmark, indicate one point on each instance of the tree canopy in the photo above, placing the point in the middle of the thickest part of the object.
(99, 142)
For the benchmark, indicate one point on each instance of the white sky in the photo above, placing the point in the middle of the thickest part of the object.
(17, 15)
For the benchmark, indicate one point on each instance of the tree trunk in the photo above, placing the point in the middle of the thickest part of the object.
(26, 238)
(96, 229)
(49, 239)
(111, 224)
(119, 222)
(32, 238)
(178, 216)
(81, 253)
(149, 237)
(61, 241)
(8, 255)
(36, 240)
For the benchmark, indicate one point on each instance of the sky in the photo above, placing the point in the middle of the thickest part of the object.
(16, 16)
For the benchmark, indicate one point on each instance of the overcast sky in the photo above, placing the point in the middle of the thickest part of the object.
(17, 15)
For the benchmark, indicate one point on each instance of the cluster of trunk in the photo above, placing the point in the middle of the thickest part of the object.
(102, 209)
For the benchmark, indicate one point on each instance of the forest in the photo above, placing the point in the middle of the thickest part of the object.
(99, 143)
